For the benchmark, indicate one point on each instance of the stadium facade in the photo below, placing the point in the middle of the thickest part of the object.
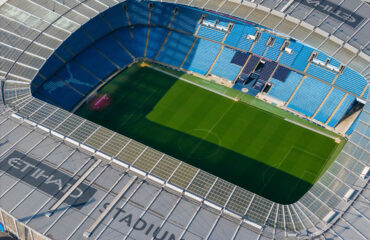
(65, 177)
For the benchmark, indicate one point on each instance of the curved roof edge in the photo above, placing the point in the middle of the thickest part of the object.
(313, 36)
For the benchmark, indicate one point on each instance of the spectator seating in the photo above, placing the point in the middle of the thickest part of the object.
(186, 20)
(342, 110)
(116, 17)
(267, 70)
(213, 34)
(55, 90)
(202, 56)
(76, 77)
(161, 14)
(334, 62)
(113, 50)
(156, 38)
(366, 93)
(329, 105)
(64, 53)
(301, 60)
(281, 73)
(322, 56)
(36, 82)
(283, 90)
(138, 12)
(104, 44)
(77, 42)
(51, 66)
(260, 46)
(321, 73)
(238, 36)
(274, 51)
(96, 63)
(97, 27)
(289, 58)
(309, 96)
(223, 66)
(135, 43)
(351, 81)
(239, 58)
(251, 64)
(175, 48)
(45, 99)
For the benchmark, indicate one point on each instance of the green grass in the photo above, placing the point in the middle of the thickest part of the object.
(239, 142)
(247, 99)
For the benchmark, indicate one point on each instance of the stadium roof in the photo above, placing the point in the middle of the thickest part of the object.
(58, 149)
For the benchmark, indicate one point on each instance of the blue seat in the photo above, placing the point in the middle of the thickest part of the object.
(97, 27)
(77, 42)
(64, 53)
(366, 93)
(96, 63)
(223, 66)
(51, 66)
(186, 19)
(283, 90)
(309, 96)
(322, 56)
(135, 43)
(78, 78)
(329, 105)
(321, 73)
(138, 12)
(202, 56)
(288, 59)
(156, 38)
(260, 46)
(334, 62)
(212, 34)
(342, 110)
(38, 95)
(301, 60)
(274, 51)
(161, 14)
(113, 50)
(237, 36)
(59, 93)
(175, 48)
(116, 16)
(351, 81)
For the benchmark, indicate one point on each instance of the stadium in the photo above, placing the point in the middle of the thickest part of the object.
(184, 119)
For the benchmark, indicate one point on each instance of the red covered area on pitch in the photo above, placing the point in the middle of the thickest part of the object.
(100, 102)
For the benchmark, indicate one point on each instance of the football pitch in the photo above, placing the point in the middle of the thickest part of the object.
(245, 145)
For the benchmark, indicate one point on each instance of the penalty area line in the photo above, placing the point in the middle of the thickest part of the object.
(193, 83)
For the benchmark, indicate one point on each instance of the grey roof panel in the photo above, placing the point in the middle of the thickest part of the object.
(163, 204)
(144, 195)
(70, 221)
(183, 213)
(28, 208)
(361, 38)
(201, 224)
(244, 233)
(14, 195)
(224, 229)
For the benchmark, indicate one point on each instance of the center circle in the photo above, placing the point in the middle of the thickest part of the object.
(199, 144)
